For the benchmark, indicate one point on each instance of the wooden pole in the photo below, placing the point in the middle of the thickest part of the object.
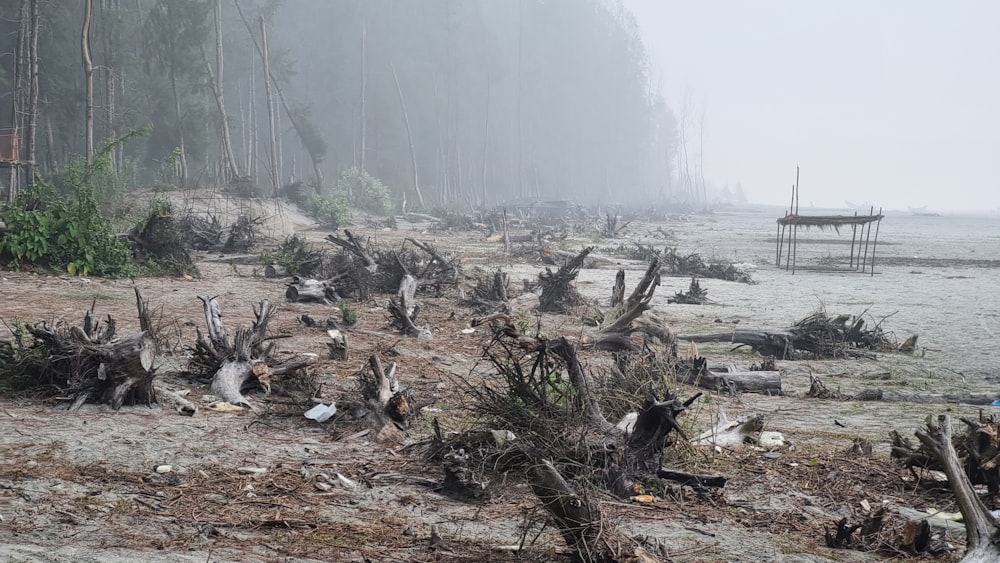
(777, 245)
(88, 73)
(875, 242)
(854, 234)
(868, 237)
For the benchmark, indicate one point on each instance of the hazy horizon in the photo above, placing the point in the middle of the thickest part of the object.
(890, 103)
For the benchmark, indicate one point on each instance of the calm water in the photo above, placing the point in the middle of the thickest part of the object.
(937, 276)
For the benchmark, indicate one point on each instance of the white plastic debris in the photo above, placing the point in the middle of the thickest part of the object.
(322, 412)
(468, 330)
(346, 483)
(771, 440)
(164, 468)
(627, 423)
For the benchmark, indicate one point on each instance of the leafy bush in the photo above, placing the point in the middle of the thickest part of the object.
(331, 212)
(297, 256)
(67, 231)
(63, 232)
(364, 190)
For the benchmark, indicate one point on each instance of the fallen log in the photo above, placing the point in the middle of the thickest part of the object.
(732, 380)
(961, 397)
(275, 271)
(303, 290)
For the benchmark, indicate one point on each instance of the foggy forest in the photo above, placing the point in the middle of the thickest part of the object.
(447, 103)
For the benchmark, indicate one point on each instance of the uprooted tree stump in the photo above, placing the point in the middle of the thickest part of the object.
(243, 360)
(86, 361)
(542, 395)
(696, 295)
(558, 294)
(305, 290)
(818, 335)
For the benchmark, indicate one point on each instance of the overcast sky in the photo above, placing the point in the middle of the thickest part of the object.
(891, 102)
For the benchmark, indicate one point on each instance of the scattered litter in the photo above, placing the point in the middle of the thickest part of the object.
(164, 468)
(322, 412)
(252, 470)
(468, 330)
(347, 483)
(771, 440)
(641, 498)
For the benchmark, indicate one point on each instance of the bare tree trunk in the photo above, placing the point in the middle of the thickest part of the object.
(364, 85)
(183, 170)
(228, 156)
(270, 108)
(88, 71)
(409, 138)
(33, 95)
(486, 137)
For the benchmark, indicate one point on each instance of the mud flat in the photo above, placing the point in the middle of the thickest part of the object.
(146, 483)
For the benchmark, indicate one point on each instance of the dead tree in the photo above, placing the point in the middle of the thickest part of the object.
(982, 530)
(241, 361)
(558, 294)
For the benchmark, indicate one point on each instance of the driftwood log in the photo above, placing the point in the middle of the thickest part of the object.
(730, 379)
(303, 290)
(238, 362)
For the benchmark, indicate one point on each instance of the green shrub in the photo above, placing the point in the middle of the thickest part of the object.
(331, 212)
(364, 190)
(67, 232)
(347, 315)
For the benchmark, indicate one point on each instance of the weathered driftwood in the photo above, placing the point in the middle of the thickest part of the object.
(275, 271)
(385, 396)
(732, 380)
(890, 396)
(338, 345)
(238, 362)
(303, 290)
(982, 530)
(404, 312)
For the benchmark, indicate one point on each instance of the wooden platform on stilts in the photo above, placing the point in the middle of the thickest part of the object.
(861, 234)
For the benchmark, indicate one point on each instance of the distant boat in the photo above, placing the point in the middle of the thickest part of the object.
(917, 209)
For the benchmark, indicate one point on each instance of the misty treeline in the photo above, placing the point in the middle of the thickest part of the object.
(448, 102)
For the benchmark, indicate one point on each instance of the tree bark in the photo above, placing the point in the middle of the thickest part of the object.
(981, 528)
(88, 73)
(275, 180)
(32, 96)
(218, 81)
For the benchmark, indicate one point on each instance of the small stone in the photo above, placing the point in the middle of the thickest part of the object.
(164, 468)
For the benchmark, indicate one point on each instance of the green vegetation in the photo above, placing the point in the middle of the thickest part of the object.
(364, 190)
(331, 212)
(347, 314)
